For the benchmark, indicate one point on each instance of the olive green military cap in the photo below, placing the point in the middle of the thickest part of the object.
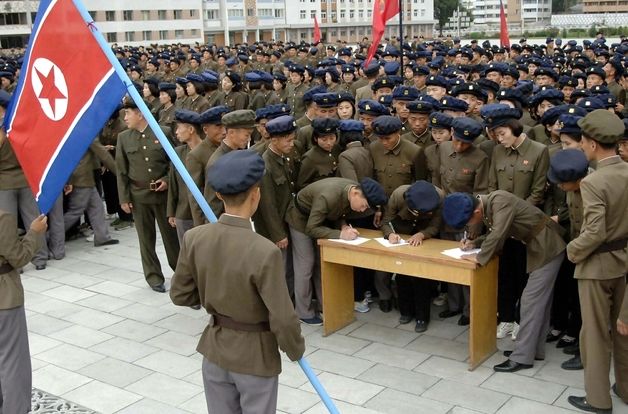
(242, 118)
(602, 126)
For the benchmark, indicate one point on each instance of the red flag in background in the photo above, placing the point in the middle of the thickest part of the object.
(504, 39)
(383, 10)
(317, 31)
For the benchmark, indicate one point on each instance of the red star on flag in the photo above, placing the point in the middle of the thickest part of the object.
(49, 90)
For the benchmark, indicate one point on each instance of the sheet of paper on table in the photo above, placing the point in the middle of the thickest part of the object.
(457, 253)
(386, 243)
(354, 242)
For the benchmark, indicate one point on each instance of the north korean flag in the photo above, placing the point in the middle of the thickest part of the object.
(67, 90)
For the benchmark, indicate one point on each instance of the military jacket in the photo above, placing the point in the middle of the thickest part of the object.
(11, 174)
(403, 165)
(425, 139)
(236, 100)
(317, 164)
(295, 99)
(405, 222)
(198, 104)
(196, 162)
(215, 98)
(355, 162)
(178, 204)
(83, 175)
(465, 172)
(209, 193)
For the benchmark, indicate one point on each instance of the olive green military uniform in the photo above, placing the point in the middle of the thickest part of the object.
(215, 98)
(425, 139)
(317, 164)
(198, 104)
(208, 192)
(272, 98)
(195, 162)
(355, 162)
(295, 99)
(236, 100)
(141, 160)
(178, 196)
(432, 160)
(303, 122)
(257, 101)
(166, 117)
(182, 103)
(109, 136)
(539, 134)
(365, 92)
(357, 85)
(403, 165)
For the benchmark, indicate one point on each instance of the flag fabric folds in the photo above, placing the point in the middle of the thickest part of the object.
(317, 31)
(383, 10)
(504, 39)
(67, 91)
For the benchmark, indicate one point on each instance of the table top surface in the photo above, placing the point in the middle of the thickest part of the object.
(429, 250)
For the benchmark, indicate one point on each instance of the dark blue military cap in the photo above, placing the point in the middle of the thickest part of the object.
(468, 88)
(282, 125)
(275, 111)
(466, 129)
(348, 69)
(449, 103)
(495, 67)
(498, 114)
(345, 51)
(420, 107)
(422, 196)
(296, 68)
(231, 61)
(350, 125)
(280, 77)
(458, 209)
(252, 77)
(567, 166)
(335, 76)
(547, 72)
(374, 192)
(596, 70)
(346, 96)
(371, 69)
(591, 103)
(209, 77)
(324, 126)
(405, 93)
(436, 80)
(391, 68)
(609, 100)
(319, 73)
(236, 172)
(567, 81)
(371, 107)
(165, 86)
(309, 94)
(214, 115)
(187, 117)
(548, 94)
(421, 70)
(390, 51)
(5, 98)
(243, 58)
(386, 125)
(569, 124)
(386, 100)
(512, 95)
(383, 82)
(261, 113)
(599, 90)
(152, 81)
(439, 120)
(551, 115)
(234, 76)
(325, 100)
(427, 98)
(488, 84)
(181, 81)
(193, 77)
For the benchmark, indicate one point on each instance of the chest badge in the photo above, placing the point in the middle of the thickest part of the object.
(526, 162)
(466, 171)
(157, 142)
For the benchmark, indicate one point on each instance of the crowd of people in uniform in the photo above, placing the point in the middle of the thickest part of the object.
(520, 152)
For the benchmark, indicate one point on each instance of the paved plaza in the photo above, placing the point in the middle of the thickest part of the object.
(101, 339)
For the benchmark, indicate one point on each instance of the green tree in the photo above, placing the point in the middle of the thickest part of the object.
(443, 10)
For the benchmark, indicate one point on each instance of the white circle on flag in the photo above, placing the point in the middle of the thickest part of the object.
(50, 88)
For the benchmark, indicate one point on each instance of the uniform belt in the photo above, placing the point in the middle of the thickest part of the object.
(613, 245)
(301, 209)
(229, 323)
(141, 184)
(6, 268)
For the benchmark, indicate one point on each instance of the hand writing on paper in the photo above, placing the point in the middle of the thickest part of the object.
(394, 238)
(349, 233)
(466, 244)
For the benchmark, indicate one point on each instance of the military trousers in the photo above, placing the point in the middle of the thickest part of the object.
(415, 296)
(55, 236)
(228, 392)
(110, 191)
(20, 201)
(536, 306)
(15, 363)
(511, 277)
(307, 274)
(86, 200)
(566, 304)
(145, 216)
(601, 302)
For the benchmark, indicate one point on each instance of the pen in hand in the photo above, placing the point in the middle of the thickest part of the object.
(393, 238)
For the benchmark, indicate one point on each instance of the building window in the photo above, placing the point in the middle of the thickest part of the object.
(235, 13)
(351, 14)
(147, 35)
(110, 15)
(163, 34)
(178, 14)
(333, 15)
(265, 12)
(250, 12)
(312, 14)
(279, 13)
(112, 37)
(303, 35)
(161, 14)
(343, 33)
(361, 14)
(416, 13)
(422, 12)
(323, 15)
(342, 14)
(93, 14)
(334, 33)
(211, 14)
(178, 34)
(194, 32)
(302, 14)
(145, 14)
(127, 15)
(192, 12)
(129, 36)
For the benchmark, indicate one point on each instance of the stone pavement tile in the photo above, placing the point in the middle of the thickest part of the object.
(70, 357)
(169, 363)
(292, 375)
(115, 372)
(454, 370)
(54, 307)
(554, 373)
(528, 388)
(179, 343)
(121, 276)
(388, 336)
(78, 280)
(112, 288)
(45, 325)
(37, 285)
(187, 311)
(345, 389)
(124, 349)
(38, 343)
(562, 400)
(441, 347)
(397, 402)
(50, 273)
(143, 313)
(343, 407)
(295, 401)
(37, 364)
(148, 406)
(337, 343)
(438, 329)
(468, 396)
(104, 303)
(399, 379)
(350, 328)
(88, 268)
(56, 380)
(462, 410)
(68, 293)
(135, 331)
(341, 364)
(147, 297)
(93, 319)
(165, 389)
(377, 317)
(518, 405)
(392, 356)
(80, 336)
(183, 324)
(196, 404)
(102, 397)
(195, 377)
(463, 337)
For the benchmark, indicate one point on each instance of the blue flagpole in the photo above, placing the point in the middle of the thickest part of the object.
(185, 175)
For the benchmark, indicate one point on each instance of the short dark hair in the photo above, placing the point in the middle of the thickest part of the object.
(573, 135)
(172, 95)
(514, 125)
(605, 145)
(235, 200)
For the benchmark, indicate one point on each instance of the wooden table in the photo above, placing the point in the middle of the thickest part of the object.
(427, 261)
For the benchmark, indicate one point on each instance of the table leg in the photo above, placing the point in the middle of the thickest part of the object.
(482, 340)
(337, 284)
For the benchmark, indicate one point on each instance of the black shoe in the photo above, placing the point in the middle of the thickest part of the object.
(553, 338)
(573, 364)
(403, 319)
(448, 314)
(159, 288)
(420, 327)
(385, 305)
(109, 242)
(510, 366)
(40, 267)
(464, 321)
(614, 388)
(563, 343)
(581, 403)
(572, 349)
(509, 353)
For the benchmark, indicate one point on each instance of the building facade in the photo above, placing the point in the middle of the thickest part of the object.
(519, 13)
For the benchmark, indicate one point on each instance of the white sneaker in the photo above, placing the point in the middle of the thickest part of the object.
(504, 329)
(362, 307)
(515, 331)
(440, 300)
(89, 238)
